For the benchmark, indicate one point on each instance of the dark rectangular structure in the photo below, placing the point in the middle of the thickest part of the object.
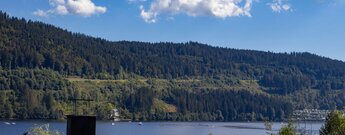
(81, 125)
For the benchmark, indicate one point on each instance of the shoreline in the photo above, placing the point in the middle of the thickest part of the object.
(51, 120)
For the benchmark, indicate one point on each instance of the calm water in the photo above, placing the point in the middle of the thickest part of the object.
(159, 128)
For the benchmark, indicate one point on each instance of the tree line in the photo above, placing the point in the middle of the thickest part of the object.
(44, 94)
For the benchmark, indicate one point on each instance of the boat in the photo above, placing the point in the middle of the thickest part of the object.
(7, 123)
(140, 124)
(13, 123)
(113, 123)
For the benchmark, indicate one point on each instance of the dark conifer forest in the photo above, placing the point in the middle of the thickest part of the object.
(43, 66)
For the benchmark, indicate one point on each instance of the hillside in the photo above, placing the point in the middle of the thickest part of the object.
(42, 66)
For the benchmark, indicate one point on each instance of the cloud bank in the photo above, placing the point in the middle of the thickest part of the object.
(216, 8)
(83, 8)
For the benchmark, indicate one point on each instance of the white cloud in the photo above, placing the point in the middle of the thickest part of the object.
(61, 10)
(40, 13)
(56, 2)
(217, 8)
(279, 5)
(83, 8)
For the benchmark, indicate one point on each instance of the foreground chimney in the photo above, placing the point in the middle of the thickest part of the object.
(81, 125)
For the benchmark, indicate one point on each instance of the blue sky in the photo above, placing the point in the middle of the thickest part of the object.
(316, 26)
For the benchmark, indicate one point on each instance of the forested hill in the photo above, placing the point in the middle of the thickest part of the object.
(37, 45)
(38, 60)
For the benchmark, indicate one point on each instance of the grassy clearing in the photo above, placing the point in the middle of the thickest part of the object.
(78, 79)
(163, 106)
(161, 84)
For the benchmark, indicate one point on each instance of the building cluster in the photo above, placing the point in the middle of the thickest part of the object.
(310, 114)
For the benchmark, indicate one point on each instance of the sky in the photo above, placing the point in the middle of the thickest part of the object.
(316, 26)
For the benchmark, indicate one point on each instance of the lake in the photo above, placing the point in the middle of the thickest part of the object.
(160, 128)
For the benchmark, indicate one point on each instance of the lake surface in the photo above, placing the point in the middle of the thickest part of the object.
(160, 128)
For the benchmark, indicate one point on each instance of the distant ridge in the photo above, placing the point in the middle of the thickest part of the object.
(30, 44)
(42, 66)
